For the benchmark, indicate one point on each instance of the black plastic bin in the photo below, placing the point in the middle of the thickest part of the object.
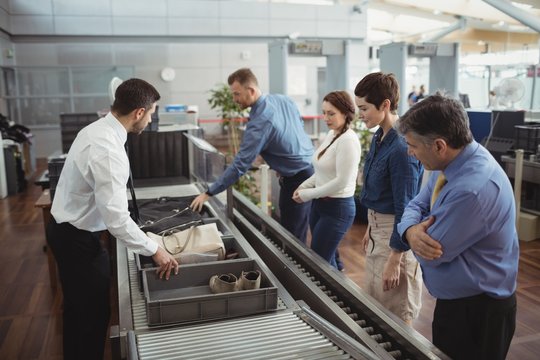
(527, 137)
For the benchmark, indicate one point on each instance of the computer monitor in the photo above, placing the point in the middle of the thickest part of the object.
(503, 122)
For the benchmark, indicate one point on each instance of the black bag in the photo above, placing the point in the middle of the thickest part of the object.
(167, 214)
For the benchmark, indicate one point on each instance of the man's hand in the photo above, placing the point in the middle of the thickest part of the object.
(364, 242)
(165, 262)
(391, 271)
(296, 197)
(198, 202)
(421, 243)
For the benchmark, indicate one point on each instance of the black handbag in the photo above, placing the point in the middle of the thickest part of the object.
(164, 214)
(167, 214)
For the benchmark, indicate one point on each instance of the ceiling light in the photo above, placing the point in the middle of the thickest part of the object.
(437, 12)
(521, 5)
(294, 35)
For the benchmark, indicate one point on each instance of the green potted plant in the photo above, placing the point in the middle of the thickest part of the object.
(365, 136)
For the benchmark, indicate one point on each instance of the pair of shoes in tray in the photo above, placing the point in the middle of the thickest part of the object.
(249, 280)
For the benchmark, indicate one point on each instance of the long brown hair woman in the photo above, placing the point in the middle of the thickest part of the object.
(332, 185)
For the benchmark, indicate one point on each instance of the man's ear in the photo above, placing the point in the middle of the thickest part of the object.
(139, 113)
(440, 146)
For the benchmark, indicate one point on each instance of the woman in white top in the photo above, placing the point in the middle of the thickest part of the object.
(333, 184)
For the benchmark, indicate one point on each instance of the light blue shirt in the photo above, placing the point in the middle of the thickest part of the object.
(276, 131)
(475, 224)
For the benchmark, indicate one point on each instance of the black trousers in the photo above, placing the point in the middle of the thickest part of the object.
(85, 276)
(293, 216)
(476, 327)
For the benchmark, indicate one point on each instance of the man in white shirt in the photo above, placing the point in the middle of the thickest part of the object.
(90, 198)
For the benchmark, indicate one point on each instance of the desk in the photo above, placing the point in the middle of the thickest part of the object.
(531, 169)
(530, 191)
(44, 203)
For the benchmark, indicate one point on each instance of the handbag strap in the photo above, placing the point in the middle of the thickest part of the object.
(177, 213)
(179, 247)
(132, 191)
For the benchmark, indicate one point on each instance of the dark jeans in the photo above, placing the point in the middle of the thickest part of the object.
(293, 216)
(329, 221)
(476, 327)
(85, 276)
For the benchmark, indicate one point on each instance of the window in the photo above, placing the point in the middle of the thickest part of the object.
(36, 96)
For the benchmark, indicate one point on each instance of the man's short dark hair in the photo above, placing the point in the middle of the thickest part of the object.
(438, 116)
(377, 87)
(134, 94)
(244, 77)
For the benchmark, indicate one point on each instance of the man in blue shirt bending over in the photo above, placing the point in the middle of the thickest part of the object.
(276, 131)
(461, 227)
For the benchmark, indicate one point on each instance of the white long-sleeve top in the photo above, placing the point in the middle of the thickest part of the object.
(336, 171)
(91, 192)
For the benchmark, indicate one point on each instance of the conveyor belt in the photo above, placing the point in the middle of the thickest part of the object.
(138, 305)
(350, 325)
(276, 336)
(307, 277)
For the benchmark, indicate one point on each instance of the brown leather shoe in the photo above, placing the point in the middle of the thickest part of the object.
(224, 283)
(250, 280)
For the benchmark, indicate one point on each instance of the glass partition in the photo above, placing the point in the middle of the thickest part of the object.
(37, 95)
(206, 164)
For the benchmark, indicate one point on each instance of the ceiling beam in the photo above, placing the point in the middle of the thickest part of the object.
(520, 15)
(458, 25)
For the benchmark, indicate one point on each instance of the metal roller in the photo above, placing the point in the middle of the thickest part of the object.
(327, 291)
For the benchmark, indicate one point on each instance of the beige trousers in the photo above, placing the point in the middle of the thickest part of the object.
(405, 300)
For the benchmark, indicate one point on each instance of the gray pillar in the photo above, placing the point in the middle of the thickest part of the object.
(444, 69)
(393, 59)
(277, 66)
(337, 65)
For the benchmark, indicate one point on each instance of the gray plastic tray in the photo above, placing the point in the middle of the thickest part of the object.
(187, 297)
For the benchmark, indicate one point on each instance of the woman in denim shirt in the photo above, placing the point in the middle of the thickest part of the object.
(332, 185)
(391, 179)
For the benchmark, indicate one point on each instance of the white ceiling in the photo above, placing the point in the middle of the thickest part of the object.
(406, 20)
(478, 26)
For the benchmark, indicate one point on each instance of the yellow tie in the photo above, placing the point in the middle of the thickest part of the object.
(439, 184)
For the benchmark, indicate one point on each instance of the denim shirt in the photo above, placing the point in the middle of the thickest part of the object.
(391, 179)
(276, 131)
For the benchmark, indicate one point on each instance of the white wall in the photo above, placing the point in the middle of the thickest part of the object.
(180, 18)
(201, 40)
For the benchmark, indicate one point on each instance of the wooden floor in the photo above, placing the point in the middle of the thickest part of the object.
(30, 312)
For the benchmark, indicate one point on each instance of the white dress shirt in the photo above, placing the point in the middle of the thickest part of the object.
(91, 192)
(336, 171)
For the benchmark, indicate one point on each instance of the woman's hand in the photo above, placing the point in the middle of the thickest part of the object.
(364, 242)
(391, 271)
(296, 197)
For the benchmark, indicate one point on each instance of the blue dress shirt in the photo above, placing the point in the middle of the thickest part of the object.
(475, 224)
(276, 131)
(391, 179)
